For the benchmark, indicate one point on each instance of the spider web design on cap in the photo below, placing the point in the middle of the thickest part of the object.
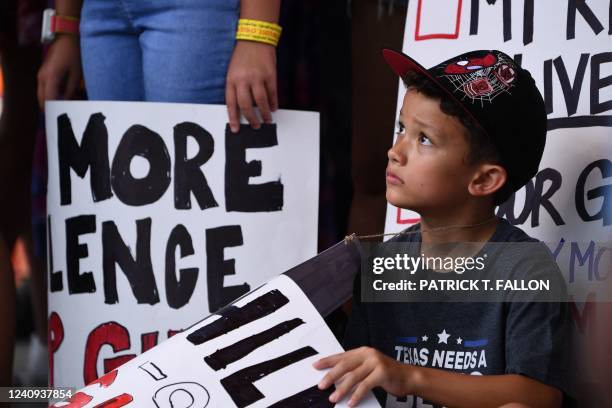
(485, 84)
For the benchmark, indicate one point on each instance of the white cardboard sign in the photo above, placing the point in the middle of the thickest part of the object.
(566, 48)
(158, 215)
(256, 353)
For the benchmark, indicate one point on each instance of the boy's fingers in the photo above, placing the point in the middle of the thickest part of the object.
(342, 367)
(328, 361)
(348, 382)
(232, 108)
(360, 391)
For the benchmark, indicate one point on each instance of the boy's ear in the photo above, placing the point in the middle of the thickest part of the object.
(487, 179)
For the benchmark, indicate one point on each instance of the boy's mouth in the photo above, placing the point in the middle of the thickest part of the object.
(393, 179)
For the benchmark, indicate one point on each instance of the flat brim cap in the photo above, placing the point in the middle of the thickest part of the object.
(499, 95)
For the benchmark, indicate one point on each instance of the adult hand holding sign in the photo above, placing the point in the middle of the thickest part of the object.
(140, 64)
(251, 79)
(251, 76)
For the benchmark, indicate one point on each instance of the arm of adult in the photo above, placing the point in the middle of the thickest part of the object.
(251, 76)
(61, 72)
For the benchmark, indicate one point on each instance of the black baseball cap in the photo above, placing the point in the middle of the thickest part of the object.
(500, 96)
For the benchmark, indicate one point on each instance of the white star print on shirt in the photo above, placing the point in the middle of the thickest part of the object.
(425, 338)
(443, 337)
(459, 340)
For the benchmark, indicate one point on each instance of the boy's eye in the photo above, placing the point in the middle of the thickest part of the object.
(400, 128)
(424, 140)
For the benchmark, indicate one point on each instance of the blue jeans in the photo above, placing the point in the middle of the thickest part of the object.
(157, 50)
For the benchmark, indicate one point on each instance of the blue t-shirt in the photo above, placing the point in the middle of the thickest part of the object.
(530, 339)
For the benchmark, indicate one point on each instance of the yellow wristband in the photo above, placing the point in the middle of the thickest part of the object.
(260, 31)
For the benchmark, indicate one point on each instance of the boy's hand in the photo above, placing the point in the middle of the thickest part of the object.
(364, 368)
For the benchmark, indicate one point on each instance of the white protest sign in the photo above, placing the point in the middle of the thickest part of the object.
(566, 48)
(256, 353)
(158, 216)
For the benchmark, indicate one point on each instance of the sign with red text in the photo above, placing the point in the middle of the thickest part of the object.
(159, 215)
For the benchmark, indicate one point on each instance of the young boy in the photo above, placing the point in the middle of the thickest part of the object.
(471, 132)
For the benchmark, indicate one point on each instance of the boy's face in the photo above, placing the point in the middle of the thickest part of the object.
(427, 170)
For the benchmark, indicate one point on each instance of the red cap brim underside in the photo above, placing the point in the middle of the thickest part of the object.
(401, 64)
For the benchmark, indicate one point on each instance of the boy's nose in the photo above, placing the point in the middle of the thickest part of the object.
(396, 155)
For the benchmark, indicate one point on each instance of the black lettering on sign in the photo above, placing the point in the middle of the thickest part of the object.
(506, 210)
(240, 384)
(571, 92)
(586, 12)
(143, 142)
(55, 278)
(178, 292)
(311, 397)
(233, 317)
(579, 122)
(528, 22)
(154, 371)
(605, 192)
(474, 15)
(217, 239)
(548, 87)
(535, 198)
(75, 251)
(518, 58)
(184, 394)
(239, 194)
(188, 176)
(610, 19)
(507, 13)
(598, 83)
(92, 153)
(542, 199)
(138, 270)
(507, 17)
(234, 352)
(572, 88)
